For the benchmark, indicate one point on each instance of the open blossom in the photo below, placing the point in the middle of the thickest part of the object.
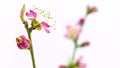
(22, 42)
(33, 15)
(73, 32)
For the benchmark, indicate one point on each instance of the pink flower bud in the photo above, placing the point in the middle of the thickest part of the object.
(81, 22)
(22, 42)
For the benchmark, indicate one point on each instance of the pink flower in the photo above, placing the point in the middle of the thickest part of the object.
(31, 14)
(45, 26)
(22, 42)
(73, 32)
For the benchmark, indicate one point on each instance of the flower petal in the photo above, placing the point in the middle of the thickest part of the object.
(31, 13)
(68, 26)
(44, 24)
(48, 31)
(83, 65)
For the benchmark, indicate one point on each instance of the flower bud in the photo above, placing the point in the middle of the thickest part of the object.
(85, 44)
(22, 42)
(22, 13)
(91, 10)
(81, 22)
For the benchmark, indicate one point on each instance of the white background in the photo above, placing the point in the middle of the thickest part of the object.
(51, 50)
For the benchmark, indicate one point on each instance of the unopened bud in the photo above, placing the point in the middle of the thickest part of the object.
(85, 44)
(22, 42)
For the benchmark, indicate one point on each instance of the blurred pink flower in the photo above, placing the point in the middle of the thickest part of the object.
(81, 64)
(31, 14)
(22, 42)
(62, 66)
(73, 32)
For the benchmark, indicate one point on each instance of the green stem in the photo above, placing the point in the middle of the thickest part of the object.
(74, 50)
(31, 48)
(32, 56)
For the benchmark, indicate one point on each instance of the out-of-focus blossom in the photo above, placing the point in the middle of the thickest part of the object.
(80, 64)
(91, 9)
(73, 32)
(81, 21)
(62, 66)
(45, 26)
(22, 42)
(22, 13)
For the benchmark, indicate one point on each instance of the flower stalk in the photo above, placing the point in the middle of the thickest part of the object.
(22, 41)
(31, 47)
(74, 50)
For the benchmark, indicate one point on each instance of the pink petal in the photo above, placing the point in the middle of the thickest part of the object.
(80, 30)
(44, 24)
(66, 35)
(68, 26)
(75, 37)
(48, 31)
(23, 37)
(83, 65)
(31, 13)
(80, 58)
